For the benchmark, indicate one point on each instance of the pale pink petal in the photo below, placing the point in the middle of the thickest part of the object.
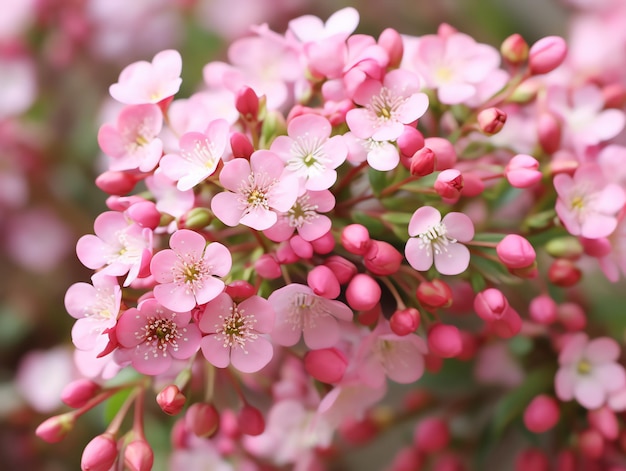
(602, 350)
(214, 351)
(309, 124)
(316, 228)
(383, 157)
(423, 219)
(596, 225)
(321, 333)
(611, 376)
(361, 122)
(281, 230)
(321, 181)
(336, 308)
(132, 321)
(454, 93)
(398, 367)
(188, 244)
(226, 207)
(336, 150)
(368, 89)
(188, 342)
(259, 218)
(564, 384)
(209, 289)
(161, 265)
(214, 311)
(77, 297)
(234, 173)
(85, 332)
(413, 108)
(452, 261)
(219, 257)
(459, 226)
(589, 393)
(256, 355)
(285, 333)
(607, 125)
(263, 312)
(176, 297)
(146, 363)
(419, 256)
(611, 199)
(388, 130)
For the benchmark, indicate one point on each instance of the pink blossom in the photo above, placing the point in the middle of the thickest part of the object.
(199, 110)
(235, 333)
(154, 335)
(188, 272)
(310, 153)
(169, 199)
(132, 143)
(587, 204)
(199, 155)
(299, 311)
(119, 246)
(310, 28)
(614, 262)
(589, 371)
(149, 82)
(436, 239)
(257, 191)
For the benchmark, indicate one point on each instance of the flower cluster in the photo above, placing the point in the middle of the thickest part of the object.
(284, 245)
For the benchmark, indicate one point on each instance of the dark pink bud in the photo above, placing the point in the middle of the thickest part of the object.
(491, 120)
(405, 321)
(241, 146)
(532, 459)
(323, 282)
(343, 269)
(445, 155)
(604, 421)
(600, 247)
(267, 267)
(423, 162)
(547, 54)
(56, 428)
(391, 41)
(382, 258)
(138, 456)
(431, 435)
(566, 461)
(327, 365)
(514, 49)
(549, 132)
(490, 304)
(508, 325)
(564, 273)
(116, 183)
(543, 309)
(171, 400)
(515, 252)
(285, 254)
(302, 248)
(250, 421)
(247, 103)
(363, 292)
(370, 316)
(445, 341)
(355, 238)
(591, 444)
(100, 454)
(572, 316)
(449, 184)
(409, 142)
(522, 171)
(179, 436)
(473, 184)
(202, 419)
(77, 393)
(541, 414)
(240, 290)
(434, 294)
(145, 214)
(407, 459)
(324, 244)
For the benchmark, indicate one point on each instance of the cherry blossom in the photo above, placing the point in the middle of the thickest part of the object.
(257, 191)
(188, 273)
(235, 332)
(437, 240)
(169, 199)
(589, 371)
(310, 28)
(154, 335)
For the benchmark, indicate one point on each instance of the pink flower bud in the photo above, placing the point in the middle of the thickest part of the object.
(541, 414)
(370, 316)
(363, 292)
(614, 95)
(604, 421)
(382, 258)
(323, 282)
(267, 267)
(391, 41)
(448, 462)
(116, 183)
(449, 184)
(490, 304)
(491, 120)
(325, 244)
(549, 132)
(514, 49)
(358, 432)
(355, 238)
(285, 254)
(599, 248)
(591, 444)
(202, 419)
(241, 146)
(445, 155)
(145, 214)
(343, 269)
(572, 316)
(445, 340)
(100, 453)
(547, 54)
(515, 252)
(434, 294)
(431, 435)
(247, 103)
(543, 309)
(405, 321)
(77, 393)
(409, 142)
(240, 290)
(138, 456)
(56, 428)
(250, 421)
(473, 184)
(327, 365)
(171, 400)
(423, 162)
(564, 273)
(508, 325)
(302, 248)
(532, 459)
(566, 461)
(521, 171)
(407, 459)
(179, 436)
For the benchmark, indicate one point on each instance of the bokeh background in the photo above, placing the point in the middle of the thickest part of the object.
(57, 59)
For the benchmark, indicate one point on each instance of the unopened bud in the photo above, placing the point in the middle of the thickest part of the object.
(116, 183)
(241, 146)
(363, 292)
(56, 428)
(343, 269)
(382, 258)
(404, 321)
(532, 459)
(568, 247)
(138, 456)
(240, 290)
(409, 142)
(302, 248)
(250, 421)
(549, 132)
(202, 419)
(541, 414)
(445, 155)
(145, 214)
(543, 309)
(564, 273)
(171, 400)
(522, 171)
(323, 282)
(572, 316)
(267, 267)
(604, 421)
(491, 120)
(247, 103)
(591, 444)
(547, 54)
(514, 49)
(77, 393)
(391, 41)
(490, 304)
(196, 218)
(355, 238)
(324, 244)
(449, 184)
(431, 435)
(423, 162)
(514, 251)
(327, 365)
(508, 325)
(445, 341)
(434, 294)
(100, 453)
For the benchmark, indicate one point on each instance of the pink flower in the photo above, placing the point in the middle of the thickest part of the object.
(310, 153)
(169, 199)
(299, 311)
(257, 191)
(199, 155)
(235, 333)
(187, 274)
(132, 143)
(589, 371)
(149, 82)
(118, 246)
(587, 204)
(153, 335)
(310, 28)
(434, 239)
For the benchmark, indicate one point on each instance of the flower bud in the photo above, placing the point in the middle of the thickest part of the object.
(407, 459)
(250, 421)
(145, 214)
(547, 54)
(240, 290)
(391, 41)
(543, 309)
(355, 238)
(445, 155)
(302, 248)
(327, 365)
(370, 316)
(614, 95)
(490, 304)
(382, 258)
(323, 282)
(448, 462)
(566, 461)
(572, 316)
(55, 429)
(515, 252)
(241, 146)
(171, 400)
(202, 419)
(591, 444)
(532, 459)
(449, 184)
(247, 103)
(491, 120)
(195, 218)
(514, 49)
(363, 292)
(549, 132)
(541, 414)
(77, 393)
(604, 421)
(116, 183)
(343, 269)
(445, 341)
(405, 321)
(267, 267)
(431, 435)
(100, 453)
(598, 248)
(508, 325)
(324, 244)
(138, 456)
(565, 247)
(522, 171)
(434, 294)
(409, 142)
(564, 273)
(422, 162)
(285, 254)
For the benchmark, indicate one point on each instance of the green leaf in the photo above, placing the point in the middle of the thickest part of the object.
(398, 218)
(378, 180)
(114, 404)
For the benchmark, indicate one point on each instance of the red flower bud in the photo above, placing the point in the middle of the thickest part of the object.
(323, 282)
(541, 414)
(56, 428)
(491, 120)
(431, 435)
(564, 273)
(405, 321)
(382, 258)
(445, 341)
(327, 365)
(423, 162)
(138, 456)
(434, 294)
(449, 184)
(355, 238)
(77, 393)
(171, 400)
(202, 419)
(250, 421)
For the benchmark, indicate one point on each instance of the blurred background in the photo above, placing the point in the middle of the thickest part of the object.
(57, 59)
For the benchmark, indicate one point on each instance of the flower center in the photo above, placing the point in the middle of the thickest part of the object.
(202, 154)
(253, 192)
(302, 212)
(308, 156)
(191, 273)
(437, 237)
(583, 367)
(236, 329)
(385, 105)
(160, 335)
(305, 310)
